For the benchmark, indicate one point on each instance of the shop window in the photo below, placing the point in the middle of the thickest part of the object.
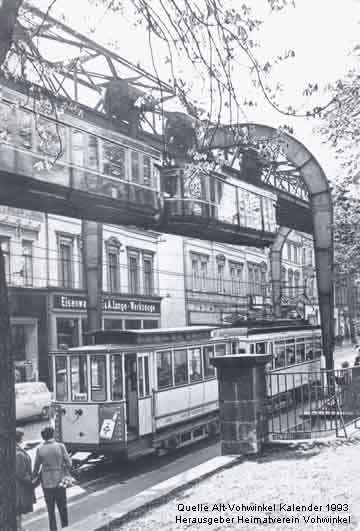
(132, 324)
(164, 369)
(116, 378)
(113, 324)
(61, 392)
(98, 378)
(27, 269)
(148, 275)
(133, 273)
(18, 342)
(209, 369)
(65, 261)
(150, 323)
(67, 332)
(79, 391)
(5, 247)
(180, 367)
(195, 364)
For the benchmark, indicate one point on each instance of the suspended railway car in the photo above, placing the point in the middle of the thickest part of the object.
(136, 391)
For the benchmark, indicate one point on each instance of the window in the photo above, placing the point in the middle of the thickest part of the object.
(79, 378)
(61, 392)
(180, 367)
(220, 350)
(135, 167)
(236, 278)
(65, 258)
(143, 375)
(195, 364)
(27, 270)
(164, 369)
(134, 273)
(112, 324)
(84, 331)
(93, 152)
(220, 278)
(295, 254)
(203, 273)
(5, 247)
(150, 323)
(113, 272)
(98, 378)
(290, 352)
(67, 332)
(300, 350)
(288, 246)
(148, 275)
(260, 348)
(116, 377)
(290, 281)
(209, 370)
(147, 171)
(132, 324)
(279, 355)
(114, 157)
(195, 275)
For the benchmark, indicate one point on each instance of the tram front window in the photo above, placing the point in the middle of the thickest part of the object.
(60, 378)
(79, 387)
(98, 378)
(116, 378)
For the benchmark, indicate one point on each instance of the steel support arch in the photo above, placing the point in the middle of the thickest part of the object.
(321, 210)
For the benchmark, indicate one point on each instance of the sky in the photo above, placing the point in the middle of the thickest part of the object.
(321, 32)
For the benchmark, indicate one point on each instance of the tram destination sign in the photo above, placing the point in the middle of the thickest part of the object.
(109, 304)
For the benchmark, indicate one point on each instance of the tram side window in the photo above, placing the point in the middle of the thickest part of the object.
(180, 367)
(279, 354)
(290, 352)
(143, 376)
(309, 351)
(209, 370)
(195, 364)
(220, 350)
(116, 378)
(98, 378)
(61, 378)
(300, 350)
(318, 347)
(164, 369)
(79, 391)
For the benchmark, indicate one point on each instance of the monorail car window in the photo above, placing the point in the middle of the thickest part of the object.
(209, 369)
(98, 378)
(180, 367)
(260, 348)
(61, 392)
(220, 350)
(290, 351)
(309, 350)
(79, 386)
(195, 371)
(164, 369)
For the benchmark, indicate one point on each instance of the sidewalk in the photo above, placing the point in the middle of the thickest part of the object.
(109, 519)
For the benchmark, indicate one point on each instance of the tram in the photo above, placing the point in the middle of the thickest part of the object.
(137, 391)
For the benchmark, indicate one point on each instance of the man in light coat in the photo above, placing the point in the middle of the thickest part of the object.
(53, 463)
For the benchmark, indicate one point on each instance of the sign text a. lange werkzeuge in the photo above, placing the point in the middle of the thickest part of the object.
(110, 304)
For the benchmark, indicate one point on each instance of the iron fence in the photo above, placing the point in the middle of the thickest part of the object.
(301, 405)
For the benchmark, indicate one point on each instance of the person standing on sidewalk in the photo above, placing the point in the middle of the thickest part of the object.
(53, 464)
(24, 488)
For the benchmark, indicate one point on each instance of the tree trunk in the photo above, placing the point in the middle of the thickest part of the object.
(8, 15)
(7, 413)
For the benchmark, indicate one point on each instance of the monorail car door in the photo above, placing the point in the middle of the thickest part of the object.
(131, 392)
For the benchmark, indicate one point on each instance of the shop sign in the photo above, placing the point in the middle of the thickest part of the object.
(109, 304)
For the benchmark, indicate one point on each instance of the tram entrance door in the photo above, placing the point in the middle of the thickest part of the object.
(131, 393)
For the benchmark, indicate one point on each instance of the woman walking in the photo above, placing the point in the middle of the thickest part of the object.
(53, 463)
(24, 487)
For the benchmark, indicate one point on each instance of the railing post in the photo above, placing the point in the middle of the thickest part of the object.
(242, 396)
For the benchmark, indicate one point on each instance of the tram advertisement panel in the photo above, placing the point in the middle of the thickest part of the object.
(111, 423)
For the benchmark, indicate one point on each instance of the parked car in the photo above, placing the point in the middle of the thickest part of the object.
(33, 399)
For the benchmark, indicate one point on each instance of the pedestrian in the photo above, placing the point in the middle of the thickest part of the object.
(53, 464)
(25, 498)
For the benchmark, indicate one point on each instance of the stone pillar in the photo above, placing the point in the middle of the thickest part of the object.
(242, 393)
